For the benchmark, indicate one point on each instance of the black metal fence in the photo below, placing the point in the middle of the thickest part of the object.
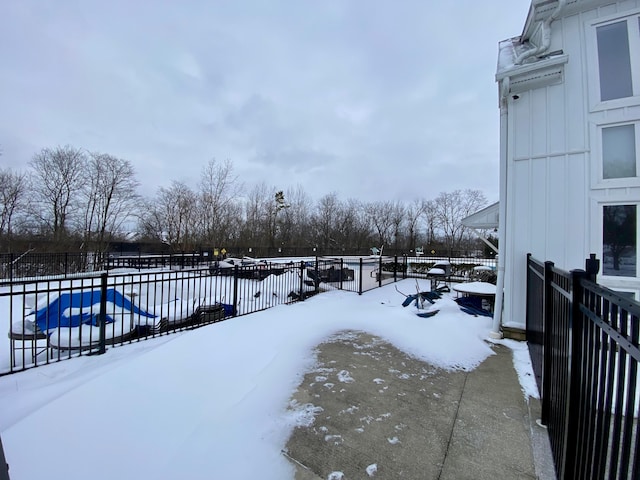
(583, 340)
(73, 264)
(4, 466)
(37, 265)
(52, 265)
(49, 319)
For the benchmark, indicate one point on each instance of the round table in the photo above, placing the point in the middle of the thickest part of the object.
(478, 289)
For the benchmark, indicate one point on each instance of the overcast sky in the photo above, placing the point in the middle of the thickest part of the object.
(375, 100)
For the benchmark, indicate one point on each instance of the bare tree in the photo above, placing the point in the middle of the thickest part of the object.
(109, 197)
(262, 224)
(353, 230)
(13, 197)
(413, 213)
(451, 208)
(171, 217)
(398, 213)
(429, 217)
(294, 221)
(278, 204)
(218, 204)
(57, 181)
(381, 216)
(324, 221)
(255, 230)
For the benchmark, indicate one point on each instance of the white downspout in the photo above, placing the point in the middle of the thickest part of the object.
(502, 209)
(546, 35)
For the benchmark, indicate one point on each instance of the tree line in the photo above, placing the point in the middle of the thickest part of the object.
(73, 198)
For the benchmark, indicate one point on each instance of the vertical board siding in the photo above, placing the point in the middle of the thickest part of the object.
(552, 153)
(575, 84)
(556, 119)
(519, 110)
(558, 178)
(539, 122)
(578, 218)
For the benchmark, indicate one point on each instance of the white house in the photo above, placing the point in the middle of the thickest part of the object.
(569, 89)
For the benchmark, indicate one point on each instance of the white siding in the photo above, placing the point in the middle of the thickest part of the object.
(544, 201)
(554, 197)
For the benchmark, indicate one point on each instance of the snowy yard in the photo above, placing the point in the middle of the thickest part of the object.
(213, 402)
(162, 297)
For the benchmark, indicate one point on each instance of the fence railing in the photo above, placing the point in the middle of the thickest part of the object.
(71, 264)
(48, 320)
(31, 264)
(583, 339)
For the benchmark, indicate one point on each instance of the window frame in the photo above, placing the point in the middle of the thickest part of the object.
(598, 180)
(601, 239)
(632, 17)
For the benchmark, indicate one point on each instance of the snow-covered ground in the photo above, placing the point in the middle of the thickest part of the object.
(213, 402)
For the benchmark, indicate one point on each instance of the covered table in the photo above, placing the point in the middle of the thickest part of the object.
(484, 290)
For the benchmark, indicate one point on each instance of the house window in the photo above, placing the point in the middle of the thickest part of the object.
(618, 48)
(619, 151)
(619, 240)
(614, 61)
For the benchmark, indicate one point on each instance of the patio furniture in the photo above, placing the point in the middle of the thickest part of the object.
(483, 291)
(440, 274)
(26, 336)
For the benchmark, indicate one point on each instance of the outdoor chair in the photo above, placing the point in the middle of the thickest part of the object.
(26, 336)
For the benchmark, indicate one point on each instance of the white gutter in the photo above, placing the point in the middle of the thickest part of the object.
(546, 35)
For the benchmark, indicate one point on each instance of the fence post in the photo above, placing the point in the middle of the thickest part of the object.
(316, 282)
(102, 316)
(395, 268)
(302, 280)
(235, 290)
(360, 278)
(4, 466)
(405, 266)
(380, 270)
(547, 321)
(11, 260)
(341, 271)
(592, 267)
(568, 470)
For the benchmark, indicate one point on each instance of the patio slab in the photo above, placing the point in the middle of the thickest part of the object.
(383, 414)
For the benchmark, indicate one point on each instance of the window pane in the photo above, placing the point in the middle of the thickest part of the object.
(619, 240)
(614, 61)
(619, 152)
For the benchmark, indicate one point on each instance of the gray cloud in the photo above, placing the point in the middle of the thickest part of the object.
(367, 99)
